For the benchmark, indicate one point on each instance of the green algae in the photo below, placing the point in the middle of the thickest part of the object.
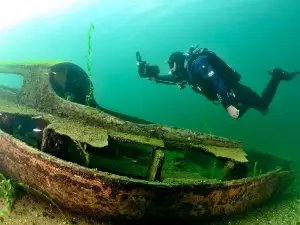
(89, 97)
(138, 139)
(233, 153)
(46, 63)
(13, 108)
(7, 193)
(94, 136)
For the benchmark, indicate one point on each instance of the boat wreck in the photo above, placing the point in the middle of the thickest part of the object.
(102, 163)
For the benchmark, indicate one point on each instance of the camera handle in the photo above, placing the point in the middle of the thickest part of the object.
(138, 56)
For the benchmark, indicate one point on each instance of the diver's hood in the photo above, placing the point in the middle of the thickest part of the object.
(178, 58)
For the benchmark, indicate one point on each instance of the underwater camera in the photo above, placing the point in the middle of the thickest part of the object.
(146, 70)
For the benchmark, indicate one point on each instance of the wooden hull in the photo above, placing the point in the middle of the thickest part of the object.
(111, 196)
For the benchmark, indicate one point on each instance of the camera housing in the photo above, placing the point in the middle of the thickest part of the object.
(145, 69)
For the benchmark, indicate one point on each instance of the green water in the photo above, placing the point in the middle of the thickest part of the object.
(252, 36)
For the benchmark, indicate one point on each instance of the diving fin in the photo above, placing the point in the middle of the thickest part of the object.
(280, 74)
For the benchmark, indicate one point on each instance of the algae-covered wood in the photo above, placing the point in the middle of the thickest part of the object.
(37, 93)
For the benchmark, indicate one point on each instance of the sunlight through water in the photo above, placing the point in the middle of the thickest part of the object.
(15, 12)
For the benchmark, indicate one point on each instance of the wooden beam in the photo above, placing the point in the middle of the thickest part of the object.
(155, 165)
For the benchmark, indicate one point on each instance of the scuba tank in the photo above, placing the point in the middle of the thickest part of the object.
(229, 75)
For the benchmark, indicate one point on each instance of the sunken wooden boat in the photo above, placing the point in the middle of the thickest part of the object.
(98, 162)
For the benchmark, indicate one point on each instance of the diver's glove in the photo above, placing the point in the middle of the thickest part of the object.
(233, 112)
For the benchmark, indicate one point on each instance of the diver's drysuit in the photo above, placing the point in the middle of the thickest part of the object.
(207, 74)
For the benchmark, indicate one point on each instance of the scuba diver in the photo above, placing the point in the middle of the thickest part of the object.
(210, 76)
